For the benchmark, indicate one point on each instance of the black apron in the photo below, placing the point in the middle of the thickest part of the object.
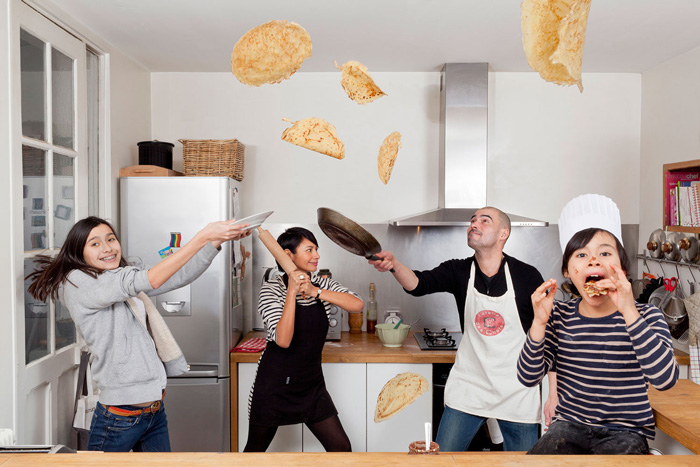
(289, 386)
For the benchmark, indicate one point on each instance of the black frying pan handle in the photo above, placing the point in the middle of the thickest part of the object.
(377, 258)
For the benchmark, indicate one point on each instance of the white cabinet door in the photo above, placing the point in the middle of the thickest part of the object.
(287, 439)
(346, 383)
(396, 433)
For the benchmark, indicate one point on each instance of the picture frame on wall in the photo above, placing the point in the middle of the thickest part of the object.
(37, 204)
(62, 212)
(67, 192)
(38, 221)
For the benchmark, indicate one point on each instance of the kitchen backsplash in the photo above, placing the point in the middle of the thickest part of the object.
(420, 248)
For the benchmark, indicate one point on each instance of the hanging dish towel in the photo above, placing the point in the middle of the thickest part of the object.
(254, 344)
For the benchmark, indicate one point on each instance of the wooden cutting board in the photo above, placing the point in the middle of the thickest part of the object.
(148, 171)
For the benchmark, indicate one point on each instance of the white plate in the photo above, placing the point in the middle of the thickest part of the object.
(255, 220)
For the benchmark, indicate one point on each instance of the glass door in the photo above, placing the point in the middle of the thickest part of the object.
(49, 64)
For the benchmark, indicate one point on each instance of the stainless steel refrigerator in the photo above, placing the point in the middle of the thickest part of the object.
(159, 214)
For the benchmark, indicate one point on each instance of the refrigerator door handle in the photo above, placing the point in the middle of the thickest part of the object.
(173, 307)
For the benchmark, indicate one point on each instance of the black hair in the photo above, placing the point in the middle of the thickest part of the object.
(291, 238)
(580, 240)
(51, 272)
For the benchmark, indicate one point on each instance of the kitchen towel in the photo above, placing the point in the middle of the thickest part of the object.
(254, 344)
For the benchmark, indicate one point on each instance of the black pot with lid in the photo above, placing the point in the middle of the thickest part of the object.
(156, 152)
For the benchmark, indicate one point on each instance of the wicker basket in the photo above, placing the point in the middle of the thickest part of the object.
(213, 158)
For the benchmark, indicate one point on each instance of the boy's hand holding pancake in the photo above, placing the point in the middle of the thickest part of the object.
(620, 292)
(542, 302)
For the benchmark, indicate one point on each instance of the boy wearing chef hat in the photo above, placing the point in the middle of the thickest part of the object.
(604, 346)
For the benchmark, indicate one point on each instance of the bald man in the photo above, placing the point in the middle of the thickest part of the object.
(492, 291)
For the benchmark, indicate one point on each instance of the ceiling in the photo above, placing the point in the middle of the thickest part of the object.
(623, 36)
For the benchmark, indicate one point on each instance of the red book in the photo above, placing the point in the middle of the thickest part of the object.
(674, 180)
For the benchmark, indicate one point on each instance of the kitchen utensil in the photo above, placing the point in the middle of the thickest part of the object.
(670, 246)
(391, 337)
(690, 249)
(657, 296)
(277, 252)
(670, 284)
(396, 326)
(656, 239)
(253, 221)
(348, 234)
(674, 310)
(355, 322)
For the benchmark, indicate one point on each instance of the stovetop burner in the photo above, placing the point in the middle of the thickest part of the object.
(438, 340)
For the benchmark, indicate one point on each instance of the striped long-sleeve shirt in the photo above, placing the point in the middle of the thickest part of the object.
(603, 366)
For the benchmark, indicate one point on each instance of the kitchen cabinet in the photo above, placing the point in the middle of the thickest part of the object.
(396, 433)
(354, 388)
(346, 383)
(686, 166)
(287, 439)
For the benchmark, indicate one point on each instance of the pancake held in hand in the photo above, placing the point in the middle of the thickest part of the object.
(387, 156)
(357, 83)
(554, 32)
(315, 134)
(592, 289)
(270, 53)
(398, 393)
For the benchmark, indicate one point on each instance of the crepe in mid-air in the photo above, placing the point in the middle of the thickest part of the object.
(270, 53)
(387, 156)
(357, 83)
(398, 393)
(554, 32)
(315, 134)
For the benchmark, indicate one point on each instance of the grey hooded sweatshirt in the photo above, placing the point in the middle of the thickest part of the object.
(125, 364)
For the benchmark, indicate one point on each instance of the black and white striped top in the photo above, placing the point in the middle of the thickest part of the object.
(273, 293)
(603, 366)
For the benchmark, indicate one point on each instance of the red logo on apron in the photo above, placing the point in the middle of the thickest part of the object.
(489, 322)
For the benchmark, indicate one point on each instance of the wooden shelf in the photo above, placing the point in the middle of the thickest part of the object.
(687, 166)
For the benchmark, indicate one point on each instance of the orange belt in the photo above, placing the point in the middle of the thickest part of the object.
(155, 407)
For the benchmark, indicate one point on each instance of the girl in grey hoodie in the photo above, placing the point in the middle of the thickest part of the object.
(132, 349)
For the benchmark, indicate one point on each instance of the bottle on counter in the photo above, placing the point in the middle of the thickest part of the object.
(371, 310)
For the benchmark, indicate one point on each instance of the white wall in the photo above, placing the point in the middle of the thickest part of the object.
(670, 122)
(546, 143)
(295, 181)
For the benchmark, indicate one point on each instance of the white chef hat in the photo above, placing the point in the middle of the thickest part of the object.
(589, 211)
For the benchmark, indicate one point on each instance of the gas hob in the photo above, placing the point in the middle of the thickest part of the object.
(431, 339)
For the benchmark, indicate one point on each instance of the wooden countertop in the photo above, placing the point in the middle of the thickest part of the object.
(366, 348)
(677, 412)
(363, 348)
(369, 459)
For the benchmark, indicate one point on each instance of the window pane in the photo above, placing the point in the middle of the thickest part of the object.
(62, 99)
(36, 321)
(63, 192)
(65, 329)
(93, 148)
(33, 82)
(34, 193)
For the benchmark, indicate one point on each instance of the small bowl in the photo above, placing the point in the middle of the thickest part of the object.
(391, 337)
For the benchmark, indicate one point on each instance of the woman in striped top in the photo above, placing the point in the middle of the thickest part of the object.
(289, 387)
(606, 348)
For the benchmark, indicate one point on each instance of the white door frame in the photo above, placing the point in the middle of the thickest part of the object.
(41, 411)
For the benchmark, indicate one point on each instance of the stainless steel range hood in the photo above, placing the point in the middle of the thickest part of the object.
(463, 150)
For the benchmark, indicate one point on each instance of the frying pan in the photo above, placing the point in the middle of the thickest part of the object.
(348, 234)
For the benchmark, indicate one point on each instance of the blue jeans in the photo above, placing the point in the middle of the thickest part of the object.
(141, 433)
(457, 429)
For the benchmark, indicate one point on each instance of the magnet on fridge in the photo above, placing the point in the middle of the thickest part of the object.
(165, 252)
(175, 238)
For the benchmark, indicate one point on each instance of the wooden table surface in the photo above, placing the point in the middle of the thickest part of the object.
(369, 459)
(677, 413)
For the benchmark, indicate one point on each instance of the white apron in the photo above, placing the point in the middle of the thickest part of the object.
(483, 380)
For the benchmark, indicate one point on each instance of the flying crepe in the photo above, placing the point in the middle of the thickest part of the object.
(387, 156)
(357, 83)
(270, 53)
(315, 134)
(398, 393)
(554, 32)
